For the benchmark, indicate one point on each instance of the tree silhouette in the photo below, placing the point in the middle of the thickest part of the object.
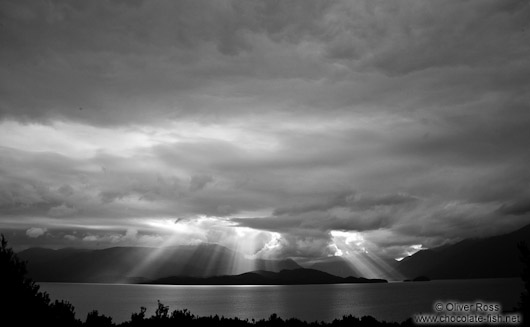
(162, 311)
(525, 275)
(94, 319)
(21, 302)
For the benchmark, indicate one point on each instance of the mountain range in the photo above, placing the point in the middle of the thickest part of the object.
(137, 264)
(344, 267)
(490, 257)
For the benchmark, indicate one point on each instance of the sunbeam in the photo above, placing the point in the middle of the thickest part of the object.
(356, 250)
(225, 250)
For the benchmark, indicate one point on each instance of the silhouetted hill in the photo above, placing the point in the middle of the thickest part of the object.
(357, 266)
(275, 265)
(490, 257)
(284, 277)
(335, 265)
(136, 264)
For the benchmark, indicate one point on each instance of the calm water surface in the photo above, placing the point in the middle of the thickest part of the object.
(390, 302)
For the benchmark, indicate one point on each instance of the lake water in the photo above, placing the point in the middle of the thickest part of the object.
(390, 302)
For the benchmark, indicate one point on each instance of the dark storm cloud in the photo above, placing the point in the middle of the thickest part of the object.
(349, 200)
(405, 120)
(105, 62)
(198, 182)
(174, 58)
(516, 208)
(410, 36)
(317, 221)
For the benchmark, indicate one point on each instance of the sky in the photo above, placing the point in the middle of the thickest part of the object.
(297, 128)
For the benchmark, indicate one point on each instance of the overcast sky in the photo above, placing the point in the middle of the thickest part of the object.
(299, 128)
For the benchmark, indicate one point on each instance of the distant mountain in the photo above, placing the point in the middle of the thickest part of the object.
(490, 257)
(335, 265)
(137, 264)
(284, 277)
(275, 265)
(361, 265)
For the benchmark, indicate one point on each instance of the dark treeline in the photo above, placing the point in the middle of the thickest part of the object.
(162, 317)
(22, 304)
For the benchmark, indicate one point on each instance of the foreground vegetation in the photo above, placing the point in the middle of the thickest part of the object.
(22, 304)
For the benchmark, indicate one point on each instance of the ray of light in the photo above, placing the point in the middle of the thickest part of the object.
(387, 271)
(243, 242)
(356, 250)
(235, 255)
(172, 238)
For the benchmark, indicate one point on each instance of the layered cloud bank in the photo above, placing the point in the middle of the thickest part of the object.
(284, 128)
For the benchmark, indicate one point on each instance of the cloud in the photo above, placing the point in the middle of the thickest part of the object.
(70, 237)
(179, 58)
(198, 182)
(238, 58)
(35, 232)
(516, 208)
(110, 196)
(350, 200)
(412, 36)
(62, 211)
(66, 190)
(94, 238)
(131, 237)
(406, 122)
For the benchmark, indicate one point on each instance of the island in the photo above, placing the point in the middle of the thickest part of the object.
(299, 276)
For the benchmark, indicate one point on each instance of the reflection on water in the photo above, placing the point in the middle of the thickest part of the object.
(390, 302)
